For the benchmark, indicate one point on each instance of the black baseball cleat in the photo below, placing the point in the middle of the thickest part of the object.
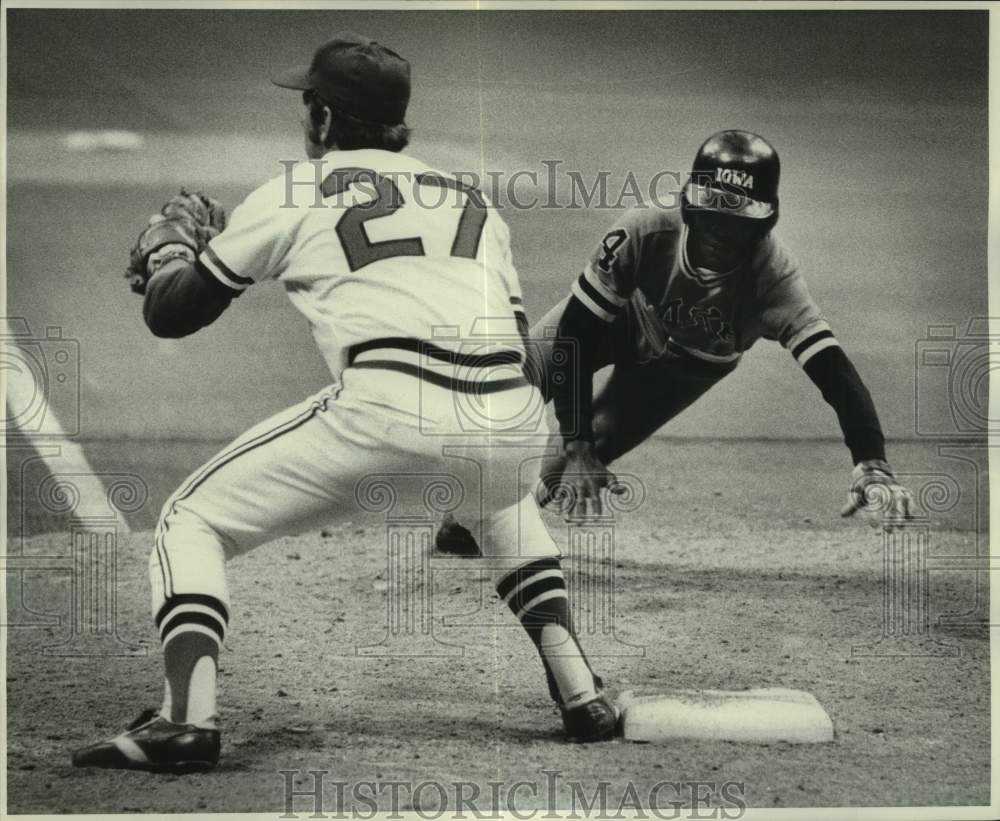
(154, 744)
(455, 540)
(597, 720)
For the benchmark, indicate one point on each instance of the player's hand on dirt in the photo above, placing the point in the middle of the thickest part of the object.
(877, 495)
(585, 479)
(180, 229)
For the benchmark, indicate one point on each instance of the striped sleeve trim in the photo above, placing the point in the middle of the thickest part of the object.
(223, 272)
(793, 340)
(213, 281)
(592, 277)
(812, 345)
(594, 302)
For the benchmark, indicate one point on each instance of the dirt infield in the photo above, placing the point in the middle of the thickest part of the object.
(749, 582)
(736, 571)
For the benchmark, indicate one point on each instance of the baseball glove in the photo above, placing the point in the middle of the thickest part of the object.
(181, 228)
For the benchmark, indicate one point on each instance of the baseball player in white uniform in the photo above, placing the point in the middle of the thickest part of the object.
(379, 262)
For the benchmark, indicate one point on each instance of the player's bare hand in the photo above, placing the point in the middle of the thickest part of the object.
(586, 478)
(877, 495)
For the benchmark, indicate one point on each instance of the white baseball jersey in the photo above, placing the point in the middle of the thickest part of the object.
(378, 251)
(373, 244)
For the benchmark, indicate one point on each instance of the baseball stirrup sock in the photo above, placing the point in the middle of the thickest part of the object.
(536, 593)
(192, 628)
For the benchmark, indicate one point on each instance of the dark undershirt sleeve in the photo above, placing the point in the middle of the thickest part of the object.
(580, 336)
(597, 298)
(839, 382)
(183, 298)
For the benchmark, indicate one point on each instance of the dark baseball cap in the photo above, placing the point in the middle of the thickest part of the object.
(362, 77)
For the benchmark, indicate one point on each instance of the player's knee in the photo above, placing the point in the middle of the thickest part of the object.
(157, 584)
(168, 516)
(184, 516)
(186, 536)
(187, 557)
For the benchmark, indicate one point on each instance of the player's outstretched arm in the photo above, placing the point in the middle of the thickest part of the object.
(597, 299)
(791, 316)
(874, 491)
(581, 334)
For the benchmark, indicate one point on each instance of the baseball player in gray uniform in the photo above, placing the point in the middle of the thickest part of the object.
(672, 299)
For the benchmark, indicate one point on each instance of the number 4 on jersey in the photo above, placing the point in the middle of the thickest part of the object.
(609, 245)
(386, 200)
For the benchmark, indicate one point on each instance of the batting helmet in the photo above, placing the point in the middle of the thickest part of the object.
(735, 172)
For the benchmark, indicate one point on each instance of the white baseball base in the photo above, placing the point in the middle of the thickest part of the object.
(759, 716)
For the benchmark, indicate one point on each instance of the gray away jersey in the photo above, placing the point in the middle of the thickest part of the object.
(641, 268)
